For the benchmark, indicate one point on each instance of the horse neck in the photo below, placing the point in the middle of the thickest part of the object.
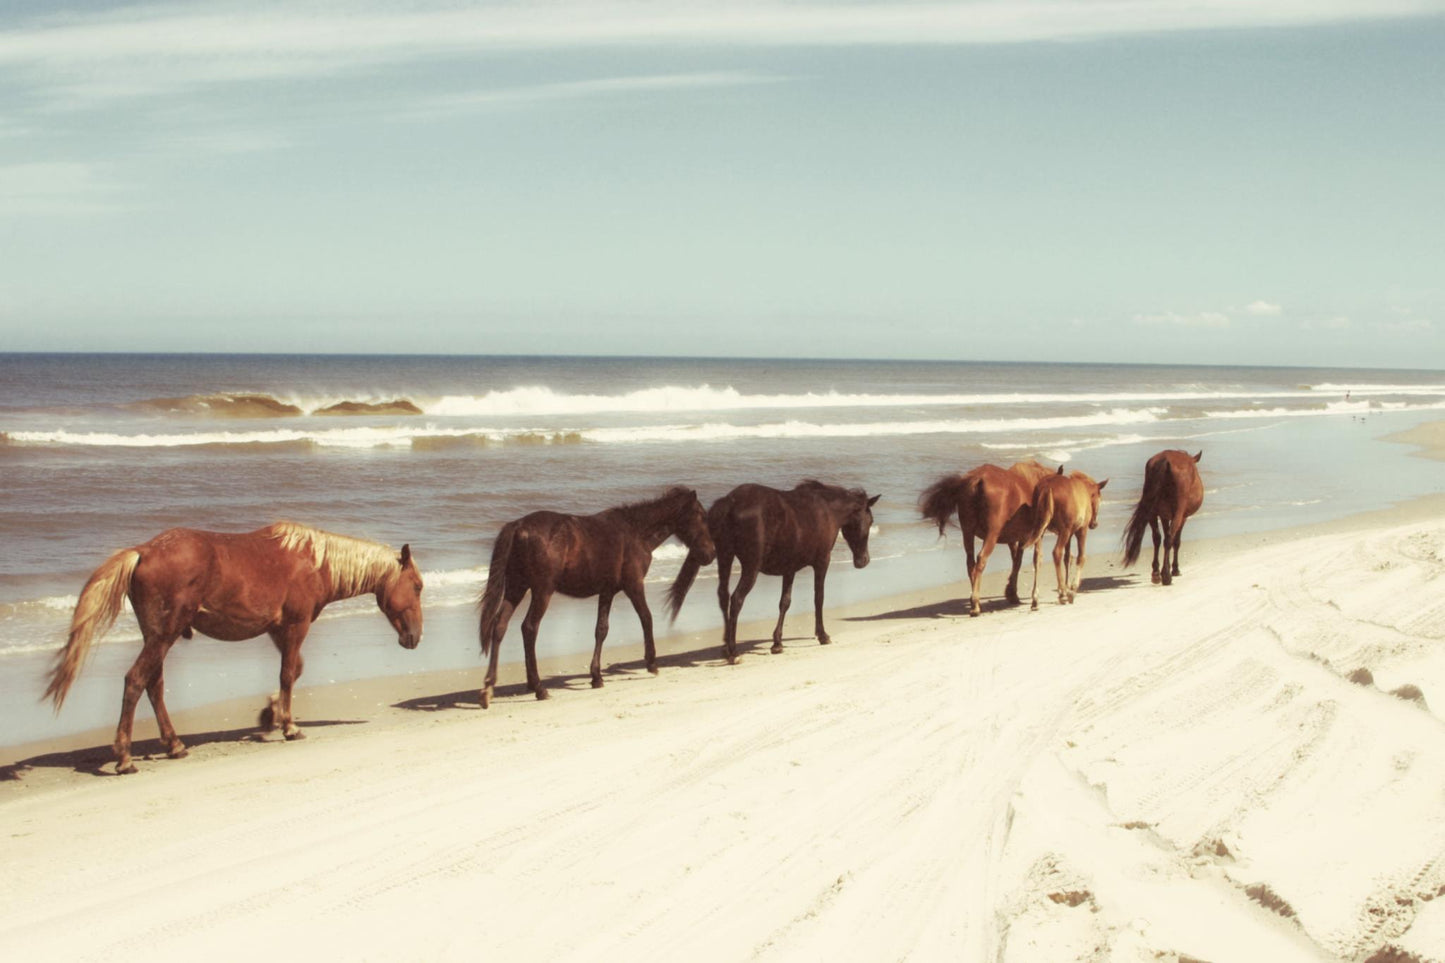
(654, 522)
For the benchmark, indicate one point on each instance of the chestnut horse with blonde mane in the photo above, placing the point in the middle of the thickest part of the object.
(582, 556)
(991, 503)
(1173, 491)
(275, 581)
(1068, 506)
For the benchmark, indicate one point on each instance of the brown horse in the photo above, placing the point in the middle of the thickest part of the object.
(275, 580)
(778, 533)
(992, 503)
(1068, 506)
(582, 556)
(1173, 491)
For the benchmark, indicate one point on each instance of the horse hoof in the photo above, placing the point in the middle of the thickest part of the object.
(1035, 606)
(126, 770)
(542, 694)
(266, 720)
(824, 640)
(732, 659)
(294, 735)
(777, 647)
(652, 669)
(597, 682)
(1155, 578)
(179, 752)
(485, 698)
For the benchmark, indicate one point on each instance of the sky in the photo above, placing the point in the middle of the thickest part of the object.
(1206, 181)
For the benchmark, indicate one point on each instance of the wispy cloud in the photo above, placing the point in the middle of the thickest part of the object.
(1406, 326)
(75, 59)
(1172, 319)
(572, 90)
(1338, 323)
(56, 188)
(1264, 309)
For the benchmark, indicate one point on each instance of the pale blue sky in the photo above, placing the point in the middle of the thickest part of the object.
(1136, 180)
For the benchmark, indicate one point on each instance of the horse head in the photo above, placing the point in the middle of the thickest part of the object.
(1096, 495)
(399, 599)
(857, 526)
(692, 529)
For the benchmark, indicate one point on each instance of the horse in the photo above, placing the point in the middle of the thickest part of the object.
(1173, 491)
(275, 580)
(992, 503)
(582, 556)
(778, 533)
(1068, 506)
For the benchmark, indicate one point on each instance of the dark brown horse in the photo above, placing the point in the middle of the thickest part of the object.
(991, 503)
(1173, 491)
(275, 580)
(1068, 506)
(582, 556)
(778, 533)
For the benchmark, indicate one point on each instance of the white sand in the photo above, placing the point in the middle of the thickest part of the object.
(1105, 781)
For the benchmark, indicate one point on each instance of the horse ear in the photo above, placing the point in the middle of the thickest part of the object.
(405, 555)
(1200, 455)
(874, 500)
(1103, 483)
(1061, 469)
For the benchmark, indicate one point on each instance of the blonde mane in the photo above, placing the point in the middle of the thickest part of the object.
(355, 564)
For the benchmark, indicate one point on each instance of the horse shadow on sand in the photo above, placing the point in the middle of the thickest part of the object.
(710, 654)
(959, 607)
(100, 760)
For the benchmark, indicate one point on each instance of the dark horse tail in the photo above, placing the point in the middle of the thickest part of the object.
(1158, 487)
(679, 588)
(491, 603)
(941, 499)
(690, 566)
(95, 613)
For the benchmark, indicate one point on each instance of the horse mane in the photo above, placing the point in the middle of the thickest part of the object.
(830, 490)
(680, 492)
(356, 565)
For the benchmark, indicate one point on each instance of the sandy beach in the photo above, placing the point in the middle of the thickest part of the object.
(1246, 766)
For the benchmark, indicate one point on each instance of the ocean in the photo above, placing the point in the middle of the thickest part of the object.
(98, 452)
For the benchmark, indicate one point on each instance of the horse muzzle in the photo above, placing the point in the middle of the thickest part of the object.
(860, 561)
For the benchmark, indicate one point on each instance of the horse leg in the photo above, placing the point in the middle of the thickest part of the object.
(1082, 534)
(288, 639)
(746, 579)
(157, 693)
(783, 602)
(604, 611)
(137, 679)
(637, 595)
(1166, 577)
(1016, 550)
(969, 555)
(1061, 555)
(1179, 521)
(541, 596)
(989, 541)
(504, 615)
(724, 575)
(1034, 599)
(1154, 570)
(820, 577)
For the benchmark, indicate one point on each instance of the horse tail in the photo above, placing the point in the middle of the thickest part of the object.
(1158, 481)
(678, 591)
(491, 601)
(941, 499)
(95, 613)
(1043, 514)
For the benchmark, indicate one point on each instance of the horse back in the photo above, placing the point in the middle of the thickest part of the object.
(1177, 486)
(778, 531)
(579, 555)
(997, 500)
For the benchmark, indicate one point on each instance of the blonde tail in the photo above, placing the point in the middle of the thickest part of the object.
(100, 603)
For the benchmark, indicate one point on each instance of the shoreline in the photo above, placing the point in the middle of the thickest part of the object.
(51, 762)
